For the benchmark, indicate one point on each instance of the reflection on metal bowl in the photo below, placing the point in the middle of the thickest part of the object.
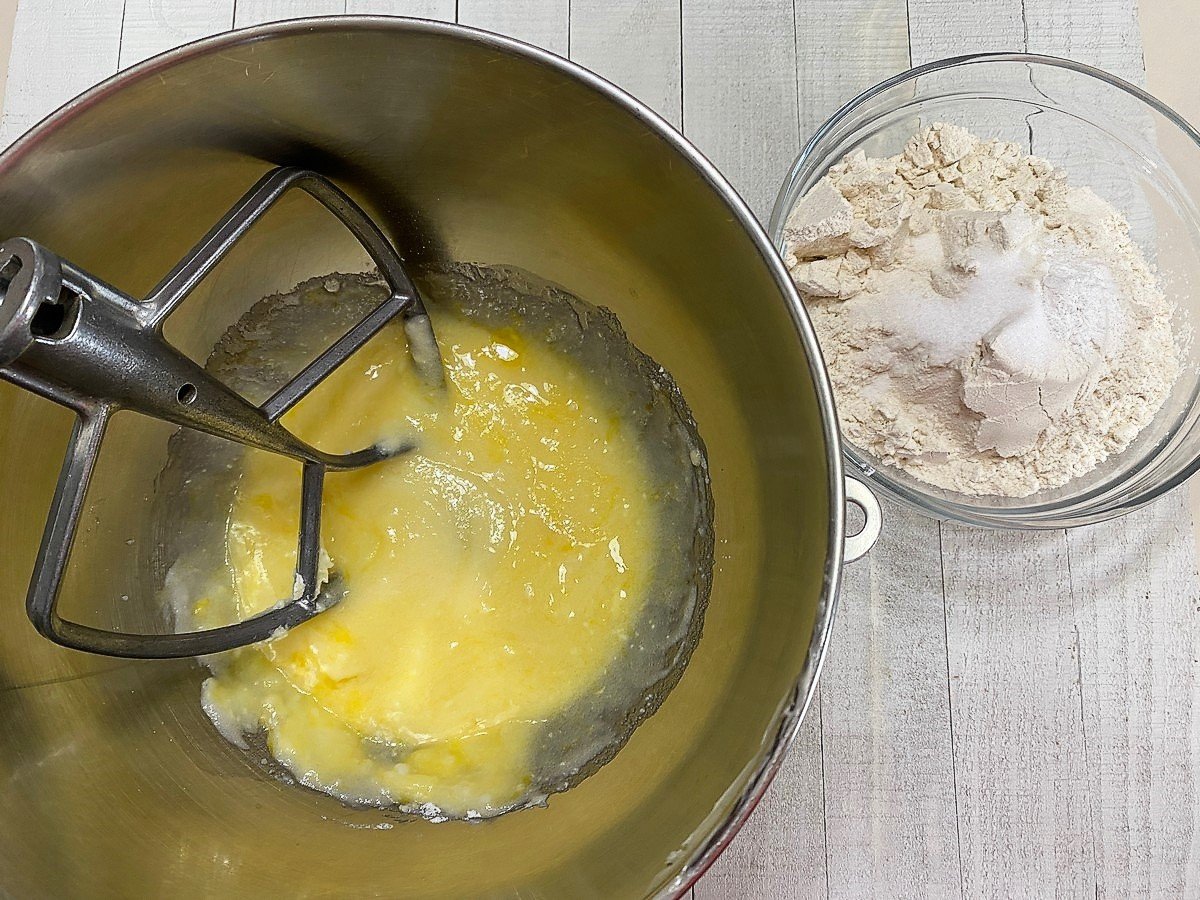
(465, 147)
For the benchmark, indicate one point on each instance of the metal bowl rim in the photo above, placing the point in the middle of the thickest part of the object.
(792, 707)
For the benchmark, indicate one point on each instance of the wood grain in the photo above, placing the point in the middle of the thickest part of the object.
(885, 709)
(152, 26)
(781, 853)
(740, 109)
(636, 44)
(440, 10)
(842, 48)
(1138, 622)
(256, 12)
(1136, 591)
(1019, 751)
(938, 29)
(1101, 34)
(543, 23)
(82, 37)
(739, 93)
(887, 751)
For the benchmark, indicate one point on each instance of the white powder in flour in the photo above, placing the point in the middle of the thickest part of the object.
(988, 327)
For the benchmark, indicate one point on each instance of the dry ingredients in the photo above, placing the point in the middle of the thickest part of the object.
(989, 328)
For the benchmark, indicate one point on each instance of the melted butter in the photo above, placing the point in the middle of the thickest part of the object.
(493, 575)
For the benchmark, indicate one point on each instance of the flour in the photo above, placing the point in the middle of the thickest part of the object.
(988, 327)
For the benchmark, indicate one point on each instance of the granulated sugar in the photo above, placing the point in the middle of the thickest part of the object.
(988, 327)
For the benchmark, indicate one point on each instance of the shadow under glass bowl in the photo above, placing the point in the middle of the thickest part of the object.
(1107, 134)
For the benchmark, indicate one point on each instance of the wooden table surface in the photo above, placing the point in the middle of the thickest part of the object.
(999, 714)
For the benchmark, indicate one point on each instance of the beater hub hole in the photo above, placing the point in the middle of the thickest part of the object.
(55, 319)
(856, 518)
(8, 272)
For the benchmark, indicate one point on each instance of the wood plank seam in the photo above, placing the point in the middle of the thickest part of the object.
(121, 35)
(950, 703)
(1011, 829)
(1083, 731)
(824, 781)
(681, 68)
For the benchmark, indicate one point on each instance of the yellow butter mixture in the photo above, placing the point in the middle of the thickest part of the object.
(494, 576)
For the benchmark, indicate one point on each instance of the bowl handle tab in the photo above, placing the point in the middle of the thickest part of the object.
(860, 495)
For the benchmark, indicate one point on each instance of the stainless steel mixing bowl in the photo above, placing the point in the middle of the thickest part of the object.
(465, 146)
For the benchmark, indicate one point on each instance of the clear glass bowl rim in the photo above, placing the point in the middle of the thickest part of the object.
(1110, 500)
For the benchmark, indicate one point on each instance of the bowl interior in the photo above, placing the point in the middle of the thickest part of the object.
(466, 148)
(1108, 136)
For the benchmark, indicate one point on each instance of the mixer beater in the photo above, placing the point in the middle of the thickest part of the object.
(73, 339)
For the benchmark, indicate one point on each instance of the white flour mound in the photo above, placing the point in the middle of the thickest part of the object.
(988, 327)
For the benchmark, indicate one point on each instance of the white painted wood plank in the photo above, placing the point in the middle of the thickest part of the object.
(739, 92)
(889, 781)
(1025, 818)
(890, 813)
(1139, 633)
(60, 48)
(1102, 33)
(740, 108)
(256, 12)
(152, 26)
(1135, 586)
(842, 48)
(441, 10)
(938, 28)
(1019, 743)
(636, 45)
(543, 23)
(779, 854)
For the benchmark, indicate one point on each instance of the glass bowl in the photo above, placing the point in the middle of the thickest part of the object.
(1133, 151)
